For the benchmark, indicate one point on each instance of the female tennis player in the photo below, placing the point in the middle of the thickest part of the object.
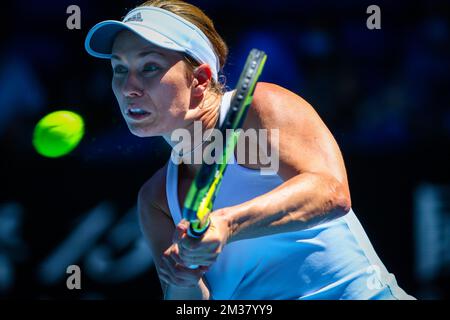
(289, 235)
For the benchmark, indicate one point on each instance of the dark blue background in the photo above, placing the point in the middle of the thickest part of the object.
(384, 94)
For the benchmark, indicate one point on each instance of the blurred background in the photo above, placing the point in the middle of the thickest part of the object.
(383, 93)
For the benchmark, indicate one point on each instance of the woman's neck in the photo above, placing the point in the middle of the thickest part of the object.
(190, 149)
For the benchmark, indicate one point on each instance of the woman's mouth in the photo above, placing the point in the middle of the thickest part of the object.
(137, 114)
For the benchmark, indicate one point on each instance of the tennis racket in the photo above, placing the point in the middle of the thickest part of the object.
(203, 190)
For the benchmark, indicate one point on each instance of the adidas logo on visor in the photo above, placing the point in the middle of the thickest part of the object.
(135, 17)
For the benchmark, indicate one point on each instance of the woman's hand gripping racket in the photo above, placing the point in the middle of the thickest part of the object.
(200, 197)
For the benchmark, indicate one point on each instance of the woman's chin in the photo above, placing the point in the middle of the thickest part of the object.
(142, 131)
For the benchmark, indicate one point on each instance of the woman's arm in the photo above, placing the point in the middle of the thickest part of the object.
(158, 229)
(301, 202)
(315, 187)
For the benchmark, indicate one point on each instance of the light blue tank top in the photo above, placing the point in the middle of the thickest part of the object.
(334, 260)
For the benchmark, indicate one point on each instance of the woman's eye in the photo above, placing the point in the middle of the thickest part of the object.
(119, 70)
(151, 68)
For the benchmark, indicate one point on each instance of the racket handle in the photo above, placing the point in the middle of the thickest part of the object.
(196, 234)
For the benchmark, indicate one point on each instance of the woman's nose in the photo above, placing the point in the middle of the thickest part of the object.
(132, 86)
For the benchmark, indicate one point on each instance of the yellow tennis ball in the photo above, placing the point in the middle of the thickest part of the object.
(58, 133)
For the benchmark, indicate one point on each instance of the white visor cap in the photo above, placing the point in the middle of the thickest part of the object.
(158, 26)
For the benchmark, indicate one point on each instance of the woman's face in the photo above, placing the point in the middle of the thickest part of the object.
(150, 84)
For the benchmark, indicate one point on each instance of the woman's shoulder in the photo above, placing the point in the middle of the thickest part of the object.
(270, 97)
(274, 105)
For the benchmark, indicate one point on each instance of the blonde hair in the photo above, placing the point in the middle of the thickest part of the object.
(196, 16)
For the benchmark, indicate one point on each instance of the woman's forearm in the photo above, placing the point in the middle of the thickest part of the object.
(299, 203)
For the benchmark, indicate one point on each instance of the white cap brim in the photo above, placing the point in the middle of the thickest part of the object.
(100, 39)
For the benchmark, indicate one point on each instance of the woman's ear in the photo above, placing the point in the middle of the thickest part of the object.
(202, 78)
